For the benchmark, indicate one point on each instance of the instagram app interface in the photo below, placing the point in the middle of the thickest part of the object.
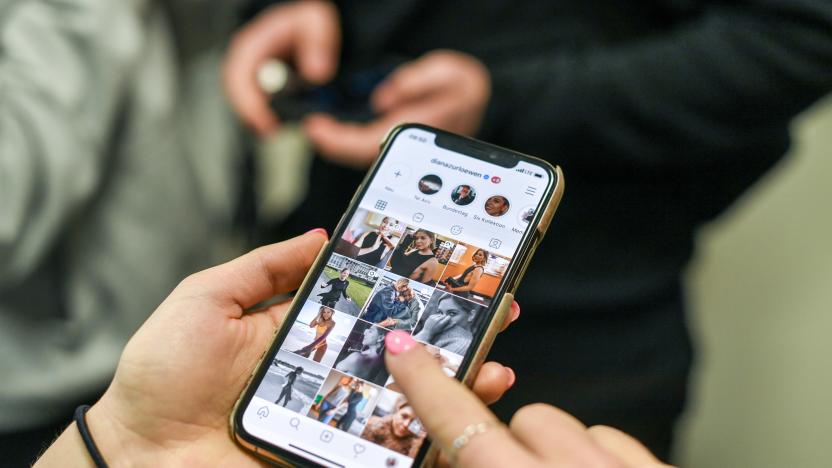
(425, 253)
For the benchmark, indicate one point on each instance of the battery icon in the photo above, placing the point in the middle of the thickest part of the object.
(538, 175)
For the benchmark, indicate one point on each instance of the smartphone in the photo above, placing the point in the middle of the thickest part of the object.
(434, 242)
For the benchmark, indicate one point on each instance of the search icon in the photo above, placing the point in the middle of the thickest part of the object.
(294, 422)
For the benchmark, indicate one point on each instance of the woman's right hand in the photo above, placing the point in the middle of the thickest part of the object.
(538, 435)
(305, 33)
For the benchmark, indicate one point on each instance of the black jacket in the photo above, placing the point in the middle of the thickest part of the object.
(661, 113)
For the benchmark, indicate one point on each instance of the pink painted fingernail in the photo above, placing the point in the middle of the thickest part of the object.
(511, 376)
(398, 342)
(320, 231)
(515, 310)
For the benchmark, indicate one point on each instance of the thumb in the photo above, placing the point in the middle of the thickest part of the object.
(319, 44)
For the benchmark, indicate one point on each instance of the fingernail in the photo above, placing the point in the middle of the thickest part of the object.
(320, 231)
(515, 310)
(511, 376)
(398, 342)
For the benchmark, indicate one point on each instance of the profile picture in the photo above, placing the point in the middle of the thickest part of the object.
(430, 184)
(497, 205)
(370, 238)
(319, 333)
(292, 382)
(421, 256)
(345, 402)
(363, 354)
(449, 322)
(463, 195)
(394, 425)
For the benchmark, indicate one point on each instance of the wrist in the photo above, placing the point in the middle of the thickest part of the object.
(118, 440)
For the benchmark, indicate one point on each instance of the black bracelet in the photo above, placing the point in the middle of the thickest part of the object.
(81, 422)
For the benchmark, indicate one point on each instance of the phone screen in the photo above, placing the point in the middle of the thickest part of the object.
(425, 250)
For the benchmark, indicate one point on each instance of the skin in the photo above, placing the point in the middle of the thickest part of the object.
(401, 420)
(479, 258)
(351, 384)
(448, 315)
(180, 374)
(382, 237)
(539, 435)
(463, 193)
(423, 243)
(342, 275)
(496, 206)
(372, 340)
(324, 316)
(443, 88)
(400, 286)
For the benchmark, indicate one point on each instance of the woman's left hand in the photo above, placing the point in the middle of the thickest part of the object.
(183, 370)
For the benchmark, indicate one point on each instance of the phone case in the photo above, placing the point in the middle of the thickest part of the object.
(484, 345)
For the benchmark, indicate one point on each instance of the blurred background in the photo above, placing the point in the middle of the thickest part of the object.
(155, 155)
(761, 296)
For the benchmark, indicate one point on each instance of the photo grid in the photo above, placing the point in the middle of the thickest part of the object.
(384, 275)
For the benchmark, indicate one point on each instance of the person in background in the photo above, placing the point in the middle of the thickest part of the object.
(118, 177)
(662, 113)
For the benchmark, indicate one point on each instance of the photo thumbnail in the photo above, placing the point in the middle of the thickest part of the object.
(363, 353)
(497, 205)
(397, 302)
(394, 425)
(430, 184)
(449, 322)
(449, 362)
(292, 382)
(370, 238)
(463, 195)
(473, 273)
(319, 333)
(345, 284)
(345, 402)
(421, 256)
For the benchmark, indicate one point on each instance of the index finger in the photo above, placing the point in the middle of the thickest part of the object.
(446, 407)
